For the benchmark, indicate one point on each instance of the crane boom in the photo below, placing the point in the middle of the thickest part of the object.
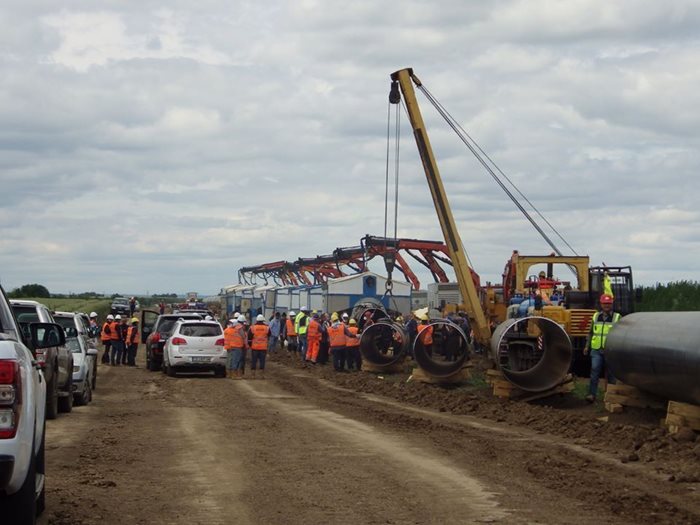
(470, 296)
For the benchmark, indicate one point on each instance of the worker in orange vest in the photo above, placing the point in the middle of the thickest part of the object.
(352, 345)
(313, 338)
(234, 342)
(116, 340)
(132, 341)
(338, 334)
(291, 333)
(106, 337)
(425, 334)
(258, 336)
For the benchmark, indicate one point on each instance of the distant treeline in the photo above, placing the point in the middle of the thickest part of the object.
(672, 297)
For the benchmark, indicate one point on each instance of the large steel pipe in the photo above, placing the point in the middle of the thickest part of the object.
(533, 353)
(658, 352)
(384, 343)
(446, 354)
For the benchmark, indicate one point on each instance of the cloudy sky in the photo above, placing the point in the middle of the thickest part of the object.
(158, 146)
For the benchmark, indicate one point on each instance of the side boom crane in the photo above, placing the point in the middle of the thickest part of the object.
(404, 80)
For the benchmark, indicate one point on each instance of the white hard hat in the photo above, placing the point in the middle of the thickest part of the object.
(345, 315)
(304, 308)
(208, 318)
(233, 321)
(93, 314)
(117, 317)
(235, 315)
(260, 317)
(110, 317)
(292, 313)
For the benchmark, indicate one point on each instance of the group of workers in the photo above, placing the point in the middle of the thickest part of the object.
(313, 336)
(120, 337)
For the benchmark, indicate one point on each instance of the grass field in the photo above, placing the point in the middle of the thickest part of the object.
(101, 306)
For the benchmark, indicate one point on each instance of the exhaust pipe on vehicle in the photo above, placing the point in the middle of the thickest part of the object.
(533, 353)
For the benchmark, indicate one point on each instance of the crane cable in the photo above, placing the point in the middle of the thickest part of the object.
(477, 151)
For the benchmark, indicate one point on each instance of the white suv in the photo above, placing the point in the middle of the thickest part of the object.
(193, 346)
(22, 416)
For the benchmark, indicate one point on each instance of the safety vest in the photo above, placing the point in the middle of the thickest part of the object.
(299, 328)
(314, 330)
(238, 337)
(228, 337)
(260, 333)
(132, 335)
(336, 335)
(291, 329)
(352, 341)
(106, 331)
(427, 339)
(114, 331)
(600, 331)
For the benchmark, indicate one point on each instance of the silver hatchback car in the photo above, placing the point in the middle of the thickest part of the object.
(195, 346)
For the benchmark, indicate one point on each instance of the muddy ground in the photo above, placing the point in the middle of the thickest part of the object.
(307, 445)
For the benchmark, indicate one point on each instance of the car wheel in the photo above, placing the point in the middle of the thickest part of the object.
(220, 372)
(52, 398)
(21, 507)
(65, 403)
(41, 470)
(170, 371)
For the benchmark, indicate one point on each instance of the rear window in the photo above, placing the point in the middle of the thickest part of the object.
(25, 314)
(165, 324)
(73, 345)
(200, 330)
(68, 325)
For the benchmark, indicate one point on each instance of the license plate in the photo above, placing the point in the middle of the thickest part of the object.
(201, 359)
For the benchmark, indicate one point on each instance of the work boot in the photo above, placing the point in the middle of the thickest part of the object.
(590, 398)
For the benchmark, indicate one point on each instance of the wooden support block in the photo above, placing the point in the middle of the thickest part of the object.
(681, 415)
(613, 408)
(637, 402)
(625, 390)
(684, 409)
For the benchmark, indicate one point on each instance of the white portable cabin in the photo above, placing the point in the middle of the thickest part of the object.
(345, 292)
(266, 295)
(231, 298)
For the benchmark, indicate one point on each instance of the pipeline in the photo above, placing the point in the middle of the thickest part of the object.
(384, 343)
(448, 352)
(533, 353)
(658, 352)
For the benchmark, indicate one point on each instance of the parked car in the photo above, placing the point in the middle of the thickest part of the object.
(56, 361)
(22, 415)
(155, 329)
(84, 365)
(120, 305)
(202, 312)
(195, 346)
(76, 326)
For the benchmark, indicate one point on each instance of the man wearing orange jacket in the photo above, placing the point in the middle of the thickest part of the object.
(425, 334)
(106, 337)
(352, 347)
(132, 341)
(234, 343)
(115, 335)
(313, 338)
(258, 336)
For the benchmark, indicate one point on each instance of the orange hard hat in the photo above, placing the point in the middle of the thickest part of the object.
(606, 299)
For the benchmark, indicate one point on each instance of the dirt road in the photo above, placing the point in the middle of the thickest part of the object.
(303, 446)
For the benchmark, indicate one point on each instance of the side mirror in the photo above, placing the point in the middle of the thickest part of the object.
(92, 351)
(46, 335)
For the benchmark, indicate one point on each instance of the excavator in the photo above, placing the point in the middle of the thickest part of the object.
(534, 325)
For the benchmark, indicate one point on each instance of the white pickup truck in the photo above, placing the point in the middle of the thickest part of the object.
(22, 417)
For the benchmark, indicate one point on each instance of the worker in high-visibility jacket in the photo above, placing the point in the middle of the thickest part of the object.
(601, 323)
(352, 347)
(291, 333)
(313, 338)
(425, 334)
(106, 337)
(338, 334)
(234, 342)
(258, 337)
(116, 340)
(301, 326)
(132, 341)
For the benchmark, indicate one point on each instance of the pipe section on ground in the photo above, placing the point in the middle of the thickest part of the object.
(533, 353)
(658, 352)
(384, 343)
(447, 352)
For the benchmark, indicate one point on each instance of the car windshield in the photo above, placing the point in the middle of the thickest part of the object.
(68, 325)
(73, 344)
(200, 330)
(120, 301)
(165, 325)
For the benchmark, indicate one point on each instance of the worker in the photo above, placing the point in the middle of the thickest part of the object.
(275, 332)
(132, 306)
(425, 334)
(94, 328)
(601, 323)
(313, 338)
(106, 337)
(123, 329)
(352, 345)
(324, 346)
(234, 343)
(132, 341)
(290, 333)
(258, 337)
(115, 337)
(338, 334)
(244, 354)
(301, 325)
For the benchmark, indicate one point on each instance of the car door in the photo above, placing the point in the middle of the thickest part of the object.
(148, 321)
(65, 358)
